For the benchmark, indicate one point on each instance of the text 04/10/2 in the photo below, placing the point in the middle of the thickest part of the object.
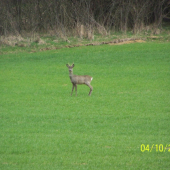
(155, 147)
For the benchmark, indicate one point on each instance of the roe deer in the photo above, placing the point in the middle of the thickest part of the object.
(79, 79)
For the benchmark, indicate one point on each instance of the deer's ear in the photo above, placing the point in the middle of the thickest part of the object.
(67, 65)
(73, 65)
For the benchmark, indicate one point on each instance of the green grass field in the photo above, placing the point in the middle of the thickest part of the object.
(43, 127)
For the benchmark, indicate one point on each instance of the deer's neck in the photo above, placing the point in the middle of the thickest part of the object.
(71, 75)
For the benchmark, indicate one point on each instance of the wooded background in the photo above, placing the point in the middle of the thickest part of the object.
(81, 17)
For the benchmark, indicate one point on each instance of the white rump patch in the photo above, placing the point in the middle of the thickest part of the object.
(91, 78)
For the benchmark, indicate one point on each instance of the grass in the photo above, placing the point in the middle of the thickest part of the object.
(43, 127)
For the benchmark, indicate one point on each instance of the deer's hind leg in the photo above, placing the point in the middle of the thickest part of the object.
(91, 88)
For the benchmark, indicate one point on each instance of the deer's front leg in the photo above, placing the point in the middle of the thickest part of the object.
(72, 89)
(76, 88)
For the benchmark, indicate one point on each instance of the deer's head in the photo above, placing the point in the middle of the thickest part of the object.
(70, 68)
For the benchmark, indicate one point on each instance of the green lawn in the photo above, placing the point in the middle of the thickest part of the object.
(43, 127)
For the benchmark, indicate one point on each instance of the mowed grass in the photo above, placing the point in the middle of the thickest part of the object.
(43, 127)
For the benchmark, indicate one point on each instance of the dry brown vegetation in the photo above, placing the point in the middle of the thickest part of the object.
(81, 17)
(24, 22)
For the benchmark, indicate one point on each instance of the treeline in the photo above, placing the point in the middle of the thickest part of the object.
(81, 17)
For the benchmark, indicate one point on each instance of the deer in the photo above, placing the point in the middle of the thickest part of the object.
(75, 79)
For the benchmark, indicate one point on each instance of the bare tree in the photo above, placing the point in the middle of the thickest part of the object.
(80, 17)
